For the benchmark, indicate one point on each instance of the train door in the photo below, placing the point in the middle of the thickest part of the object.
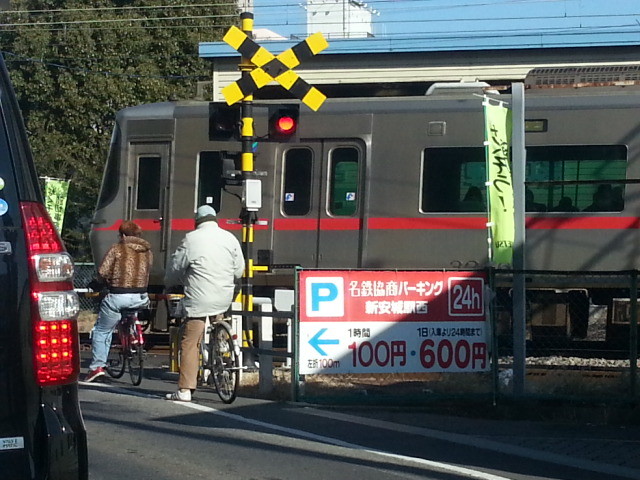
(147, 195)
(319, 222)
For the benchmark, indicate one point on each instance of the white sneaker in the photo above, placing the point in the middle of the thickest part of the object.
(179, 396)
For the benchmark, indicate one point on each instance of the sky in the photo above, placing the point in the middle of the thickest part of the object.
(399, 18)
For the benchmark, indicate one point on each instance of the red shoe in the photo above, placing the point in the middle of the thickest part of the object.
(93, 374)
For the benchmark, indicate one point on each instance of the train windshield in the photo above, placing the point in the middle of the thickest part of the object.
(111, 176)
(588, 178)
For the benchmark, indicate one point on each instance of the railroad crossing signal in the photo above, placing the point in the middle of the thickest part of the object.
(271, 67)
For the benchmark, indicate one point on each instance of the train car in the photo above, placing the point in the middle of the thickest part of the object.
(387, 182)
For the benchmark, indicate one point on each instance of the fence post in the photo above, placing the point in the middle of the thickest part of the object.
(284, 301)
(265, 378)
(492, 301)
(633, 334)
(174, 348)
(295, 366)
(236, 329)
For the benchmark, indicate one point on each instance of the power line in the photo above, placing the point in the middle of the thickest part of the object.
(123, 8)
(91, 24)
(116, 20)
(63, 25)
(96, 72)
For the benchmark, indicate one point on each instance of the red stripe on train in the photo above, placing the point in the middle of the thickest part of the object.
(182, 224)
(583, 223)
(311, 224)
(534, 223)
(449, 223)
(379, 223)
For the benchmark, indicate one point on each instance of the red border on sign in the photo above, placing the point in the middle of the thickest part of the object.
(391, 296)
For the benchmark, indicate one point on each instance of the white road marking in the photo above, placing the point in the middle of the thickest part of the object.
(478, 442)
(461, 439)
(334, 441)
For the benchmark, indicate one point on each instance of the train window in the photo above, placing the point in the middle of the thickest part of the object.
(210, 179)
(148, 197)
(296, 191)
(586, 178)
(453, 180)
(343, 187)
(562, 178)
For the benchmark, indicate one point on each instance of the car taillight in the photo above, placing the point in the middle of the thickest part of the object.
(56, 355)
(54, 303)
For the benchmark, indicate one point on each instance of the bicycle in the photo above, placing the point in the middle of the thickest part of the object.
(223, 360)
(127, 348)
(219, 359)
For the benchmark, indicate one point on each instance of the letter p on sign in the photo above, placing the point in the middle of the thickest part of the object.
(325, 296)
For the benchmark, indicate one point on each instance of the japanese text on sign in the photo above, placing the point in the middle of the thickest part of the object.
(383, 321)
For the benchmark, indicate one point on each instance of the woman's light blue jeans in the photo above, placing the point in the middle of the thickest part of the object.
(108, 317)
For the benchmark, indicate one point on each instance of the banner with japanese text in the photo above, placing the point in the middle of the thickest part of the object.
(55, 197)
(369, 321)
(500, 186)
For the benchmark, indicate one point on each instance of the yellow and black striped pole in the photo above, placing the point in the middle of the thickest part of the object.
(259, 67)
(248, 217)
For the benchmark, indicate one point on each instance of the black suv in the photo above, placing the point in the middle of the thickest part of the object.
(42, 434)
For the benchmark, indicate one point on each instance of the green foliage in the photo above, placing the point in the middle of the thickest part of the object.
(75, 63)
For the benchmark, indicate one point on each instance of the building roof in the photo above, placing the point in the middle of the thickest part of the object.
(410, 64)
(440, 42)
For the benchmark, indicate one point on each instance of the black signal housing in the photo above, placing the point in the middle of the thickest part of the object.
(283, 122)
(224, 121)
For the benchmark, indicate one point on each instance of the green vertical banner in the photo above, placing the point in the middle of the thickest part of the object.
(55, 197)
(499, 182)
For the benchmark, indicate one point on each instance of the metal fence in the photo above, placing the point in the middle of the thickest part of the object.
(580, 335)
(84, 273)
(580, 344)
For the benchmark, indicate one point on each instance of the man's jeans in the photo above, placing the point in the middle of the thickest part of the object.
(108, 317)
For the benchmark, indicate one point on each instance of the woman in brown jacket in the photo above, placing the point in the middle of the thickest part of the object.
(125, 269)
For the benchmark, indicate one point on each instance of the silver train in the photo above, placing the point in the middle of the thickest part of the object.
(386, 182)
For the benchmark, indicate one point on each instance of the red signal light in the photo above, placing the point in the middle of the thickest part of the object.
(283, 123)
(286, 125)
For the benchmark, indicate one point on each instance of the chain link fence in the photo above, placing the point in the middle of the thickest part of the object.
(581, 343)
(84, 273)
(581, 338)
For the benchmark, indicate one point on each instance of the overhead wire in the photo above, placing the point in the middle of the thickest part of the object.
(121, 8)
(279, 6)
(95, 72)
(116, 20)
(409, 38)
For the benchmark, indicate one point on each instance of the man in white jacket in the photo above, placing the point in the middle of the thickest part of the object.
(208, 262)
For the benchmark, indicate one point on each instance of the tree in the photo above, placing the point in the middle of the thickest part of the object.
(75, 63)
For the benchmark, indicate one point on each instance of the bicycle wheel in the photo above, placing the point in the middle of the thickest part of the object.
(117, 360)
(225, 364)
(136, 362)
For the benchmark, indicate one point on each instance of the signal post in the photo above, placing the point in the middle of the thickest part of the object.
(259, 67)
(248, 215)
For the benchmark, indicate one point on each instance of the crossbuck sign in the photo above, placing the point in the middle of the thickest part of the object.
(271, 67)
